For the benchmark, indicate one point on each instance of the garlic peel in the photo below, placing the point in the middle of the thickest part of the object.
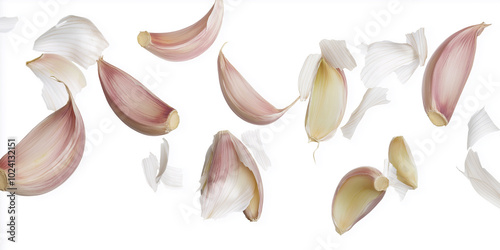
(357, 193)
(8, 23)
(336, 54)
(75, 38)
(482, 181)
(383, 58)
(392, 175)
(48, 66)
(156, 172)
(371, 98)
(242, 98)
(48, 155)
(308, 75)
(480, 124)
(447, 72)
(134, 104)
(187, 43)
(253, 141)
(230, 180)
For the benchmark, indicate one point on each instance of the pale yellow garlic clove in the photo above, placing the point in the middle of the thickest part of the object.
(447, 72)
(357, 194)
(401, 158)
(48, 155)
(327, 103)
(134, 104)
(230, 180)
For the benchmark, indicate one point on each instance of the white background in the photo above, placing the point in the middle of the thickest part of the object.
(107, 203)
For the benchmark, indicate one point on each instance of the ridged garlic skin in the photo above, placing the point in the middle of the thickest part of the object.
(242, 98)
(187, 43)
(48, 155)
(50, 66)
(134, 104)
(357, 193)
(75, 38)
(230, 180)
(447, 72)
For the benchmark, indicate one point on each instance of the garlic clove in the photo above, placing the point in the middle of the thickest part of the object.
(372, 97)
(134, 104)
(482, 181)
(75, 38)
(230, 180)
(383, 58)
(401, 158)
(327, 103)
(7, 24)
(48, 66)
(447, 72)
(480, 124)
(243, 100)
(187, 43)
(357, 194)
(48, 155)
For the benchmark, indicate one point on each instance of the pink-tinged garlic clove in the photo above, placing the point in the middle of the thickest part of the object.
(230, 180)
(447, 72)
(134, 104)
(187, 43)
(48, 155)
(242, 98)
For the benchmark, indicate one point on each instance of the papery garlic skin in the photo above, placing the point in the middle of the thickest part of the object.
(48, 66)
(230, 180)
(8, 23)
(75, 38)
(447, 72)
(187, 43)
(482, 181)
(134, 104)
(48, 155)
(327, 103)
(242, 98)
(358, 192)
(401, 158)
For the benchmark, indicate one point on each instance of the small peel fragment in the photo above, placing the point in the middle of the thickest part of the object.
(383, 58)
(482, 181)
(480, 124)
(7, 24)
(392, 174)
(372, 97)
(253, 141)
(158, 171)
(307, 75)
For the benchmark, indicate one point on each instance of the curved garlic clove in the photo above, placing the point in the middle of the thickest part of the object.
(447, 72)
(327, 103)
(48, 155)
(357, 194)
(187, 43)
(48, 66)
(243, 99)
(401, 158)
(75, 38)
(230, 180)
(134, 104)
